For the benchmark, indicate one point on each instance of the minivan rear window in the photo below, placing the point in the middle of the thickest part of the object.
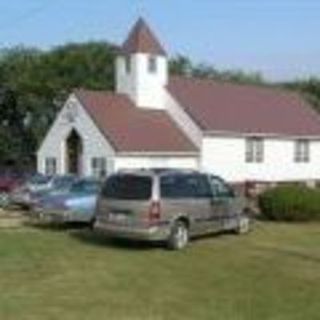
(128, 187)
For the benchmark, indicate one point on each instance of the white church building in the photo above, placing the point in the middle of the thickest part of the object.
(240, 132)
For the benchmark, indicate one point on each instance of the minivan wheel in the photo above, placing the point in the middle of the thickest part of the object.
(179, 236)
(91, 223)
(243, 225)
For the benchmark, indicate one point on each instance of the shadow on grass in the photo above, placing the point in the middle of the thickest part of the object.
(83, 232)
(98, 239)
(56, 227)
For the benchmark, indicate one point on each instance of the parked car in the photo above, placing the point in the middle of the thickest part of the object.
(168, 205)
(9, 181)
(76, 205)
(38, 187)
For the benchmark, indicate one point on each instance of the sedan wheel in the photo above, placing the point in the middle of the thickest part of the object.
(4, 199)
(179, 237)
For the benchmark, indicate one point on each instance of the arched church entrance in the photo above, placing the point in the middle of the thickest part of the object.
(74, 151)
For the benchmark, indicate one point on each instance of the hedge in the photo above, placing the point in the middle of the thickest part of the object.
(291, 203)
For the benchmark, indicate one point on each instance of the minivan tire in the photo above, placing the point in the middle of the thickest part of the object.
(92, 223)
(243, 225)
(179, 236)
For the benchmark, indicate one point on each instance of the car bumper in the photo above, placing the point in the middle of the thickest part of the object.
(49, 217)
(60, 216)
(22, 201)
(152, 233)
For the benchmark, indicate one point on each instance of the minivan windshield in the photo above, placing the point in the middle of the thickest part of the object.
(128, 187)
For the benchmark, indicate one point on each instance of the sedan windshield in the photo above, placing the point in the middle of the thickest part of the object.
(85, 186)
(39, 179)
(62, 182)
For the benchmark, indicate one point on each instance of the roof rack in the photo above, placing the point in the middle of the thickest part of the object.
(158, 170)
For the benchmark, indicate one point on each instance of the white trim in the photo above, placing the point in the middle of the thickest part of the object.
(106, 138)
(208, 134)
(182, 119)
(156, 154)
(57, 118)
(63, 157)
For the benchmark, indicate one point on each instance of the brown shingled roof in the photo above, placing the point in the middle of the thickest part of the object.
(225, 107)
(142, 40)
(130, 129)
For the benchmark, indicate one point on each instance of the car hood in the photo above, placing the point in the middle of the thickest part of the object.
(38, 187)
(64, 197)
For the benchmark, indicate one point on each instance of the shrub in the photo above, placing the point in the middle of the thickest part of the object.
(291, 203)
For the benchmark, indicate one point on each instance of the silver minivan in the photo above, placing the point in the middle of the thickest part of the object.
(168, 205)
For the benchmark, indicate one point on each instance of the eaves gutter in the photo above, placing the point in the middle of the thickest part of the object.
(157, 153)
(222, 133)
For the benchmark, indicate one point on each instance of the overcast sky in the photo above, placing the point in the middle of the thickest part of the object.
(280, 38)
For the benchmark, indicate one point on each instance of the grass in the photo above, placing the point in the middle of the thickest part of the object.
(272, 273)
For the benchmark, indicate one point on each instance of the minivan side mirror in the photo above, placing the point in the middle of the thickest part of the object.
(231, 193)
(228, 193)
(220, 189)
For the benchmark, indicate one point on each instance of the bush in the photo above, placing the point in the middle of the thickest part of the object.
(291, 203)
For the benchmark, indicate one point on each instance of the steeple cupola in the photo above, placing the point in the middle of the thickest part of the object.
(142, 68)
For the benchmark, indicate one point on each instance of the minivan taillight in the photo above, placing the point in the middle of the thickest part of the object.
(154, 212)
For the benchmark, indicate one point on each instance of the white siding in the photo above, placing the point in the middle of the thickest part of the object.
(94, 143)
(144, 88)
(145, 162)
(225, 156)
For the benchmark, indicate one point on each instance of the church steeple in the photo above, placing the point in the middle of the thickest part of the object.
(142, 68)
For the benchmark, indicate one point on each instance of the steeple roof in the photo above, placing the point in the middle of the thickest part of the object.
(142, 40)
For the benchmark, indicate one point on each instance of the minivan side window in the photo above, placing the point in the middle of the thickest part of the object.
(220, 189)
(184, 186)
(127, 187)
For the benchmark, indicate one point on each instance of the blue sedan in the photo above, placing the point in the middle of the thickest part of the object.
(39, 187)
(76, 205)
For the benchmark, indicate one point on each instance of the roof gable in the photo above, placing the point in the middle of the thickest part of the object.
(142, 40)
(130, 129)
(246, 109)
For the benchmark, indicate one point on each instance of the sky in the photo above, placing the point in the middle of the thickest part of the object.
(279, 38)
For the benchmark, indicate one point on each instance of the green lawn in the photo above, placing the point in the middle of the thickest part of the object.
(272, 273)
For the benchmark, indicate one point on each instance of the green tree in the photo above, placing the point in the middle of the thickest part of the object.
(180, 65)
(310, 88)
(41, 80)
(183, 66)
(13, 134)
